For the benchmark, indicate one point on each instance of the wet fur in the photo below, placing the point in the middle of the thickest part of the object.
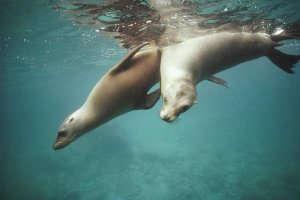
(197, 59)
(124, 88)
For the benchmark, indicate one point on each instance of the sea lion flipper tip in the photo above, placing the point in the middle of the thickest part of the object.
(284, 61)
(123, 63)
(148, 101)
(218, 81)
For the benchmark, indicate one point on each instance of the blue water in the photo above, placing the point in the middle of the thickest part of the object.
(238, 143)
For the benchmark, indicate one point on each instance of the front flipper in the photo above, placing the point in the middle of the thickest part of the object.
(148, 101)
(217, 80)
(124, 62)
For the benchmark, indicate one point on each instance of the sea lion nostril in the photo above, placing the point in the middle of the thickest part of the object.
(163, 115)
(166, 118)
(62, 133)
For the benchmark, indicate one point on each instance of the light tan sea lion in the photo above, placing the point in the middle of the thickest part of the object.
(124, 88)
(186, 64)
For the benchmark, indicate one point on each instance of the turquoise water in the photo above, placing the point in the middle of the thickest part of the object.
(238, 143)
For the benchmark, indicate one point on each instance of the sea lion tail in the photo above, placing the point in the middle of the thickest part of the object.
(284, 61)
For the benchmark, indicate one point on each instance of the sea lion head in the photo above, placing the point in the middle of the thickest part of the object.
(71, 129)
(177, 98)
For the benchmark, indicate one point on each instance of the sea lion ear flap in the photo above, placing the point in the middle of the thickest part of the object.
(126, 60)
(148, 101)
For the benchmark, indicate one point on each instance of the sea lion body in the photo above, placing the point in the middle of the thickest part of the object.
(202, 57)
(186, 64)
(116, 94)
(124, 88)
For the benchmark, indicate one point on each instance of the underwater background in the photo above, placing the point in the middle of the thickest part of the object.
(238, 143)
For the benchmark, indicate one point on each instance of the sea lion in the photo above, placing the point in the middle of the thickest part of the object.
(124, 88)
(186, 64)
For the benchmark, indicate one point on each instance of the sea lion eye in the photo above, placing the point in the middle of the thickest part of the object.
(71, 119)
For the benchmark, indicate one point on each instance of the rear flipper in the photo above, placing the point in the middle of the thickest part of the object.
(284, 61)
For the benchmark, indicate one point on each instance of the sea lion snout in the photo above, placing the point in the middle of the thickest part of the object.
(167, 116)
(59, 142)
(57, 145)
(64, 138)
